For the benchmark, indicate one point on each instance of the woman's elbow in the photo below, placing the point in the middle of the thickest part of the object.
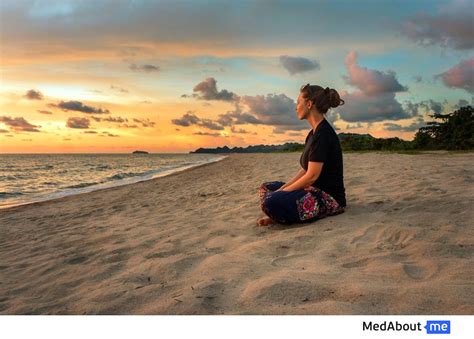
(312, 177)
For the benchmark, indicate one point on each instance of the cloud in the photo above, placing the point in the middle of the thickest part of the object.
(96, 119)
(411, 108)
(108, 134)
(459, 76)
(332, 117)
(240, 130)
(186, 120)
(207, 90)
(124, 121)
(296, 65)
(462, 103)
(207, 133)
(77, 122)
(451, 27)
(358, 125)
(19, 124)
(129, 126)
(44, 112)
(34, 95)
(190, 118)
(208, 123)
(147, 68)
(295, 134)
(119, 89)
(273, 110)
(145, 122)
(375, 98)
(362, 107)
(429, 106)
(432, 106)
(237, 117)
(115, 119)
(79, 107)
(414, 126)
(276, 110)
(164, 28)
(371, 82)
(112, 119)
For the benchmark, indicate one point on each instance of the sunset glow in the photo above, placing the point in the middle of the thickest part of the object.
(170, 77)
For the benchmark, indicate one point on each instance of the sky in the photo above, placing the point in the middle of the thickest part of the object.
(173, 76)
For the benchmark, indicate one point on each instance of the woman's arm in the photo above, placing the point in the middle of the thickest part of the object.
(299, 175)
(314, 170)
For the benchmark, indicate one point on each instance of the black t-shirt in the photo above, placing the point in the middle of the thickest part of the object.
(323, 146)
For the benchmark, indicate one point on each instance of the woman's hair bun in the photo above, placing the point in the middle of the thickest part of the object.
(323, 98)
(334, 98)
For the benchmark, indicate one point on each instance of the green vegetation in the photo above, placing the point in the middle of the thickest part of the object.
(453, 132)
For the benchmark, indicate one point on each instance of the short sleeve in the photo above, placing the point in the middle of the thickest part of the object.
(320, 148)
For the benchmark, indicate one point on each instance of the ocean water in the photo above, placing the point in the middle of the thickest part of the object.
(26, 178)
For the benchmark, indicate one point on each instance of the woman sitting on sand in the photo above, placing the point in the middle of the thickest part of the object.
(318, 189)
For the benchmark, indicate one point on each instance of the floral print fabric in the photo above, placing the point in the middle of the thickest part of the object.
(317, 204)
(296, 206)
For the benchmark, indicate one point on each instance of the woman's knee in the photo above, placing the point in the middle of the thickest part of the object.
(271, 202)
(266, 184)
(271, 185)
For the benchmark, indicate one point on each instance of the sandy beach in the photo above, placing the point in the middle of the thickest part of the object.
(188, 244)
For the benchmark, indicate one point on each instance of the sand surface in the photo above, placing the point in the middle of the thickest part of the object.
(188, 244)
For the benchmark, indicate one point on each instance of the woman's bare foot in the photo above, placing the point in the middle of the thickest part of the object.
(265, 221)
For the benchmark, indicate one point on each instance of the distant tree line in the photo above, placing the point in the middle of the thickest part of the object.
(453, 132)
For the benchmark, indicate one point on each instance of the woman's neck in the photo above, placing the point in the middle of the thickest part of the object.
(314, 120)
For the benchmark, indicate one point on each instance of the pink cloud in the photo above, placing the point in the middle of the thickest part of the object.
(375, 98)
(450, 27)
(369, 81)
(460, 76)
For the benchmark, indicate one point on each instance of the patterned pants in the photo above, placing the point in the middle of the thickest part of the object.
(298, 206)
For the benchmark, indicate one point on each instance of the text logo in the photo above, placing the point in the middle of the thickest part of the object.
(438, 327)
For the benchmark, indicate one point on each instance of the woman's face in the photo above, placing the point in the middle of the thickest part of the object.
(302, 109)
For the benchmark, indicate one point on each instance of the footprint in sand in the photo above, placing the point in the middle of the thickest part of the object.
(159, 254)
(117, 255)
(186, 264)
(380, 237)
(417, 270)
(209, 299)
(76, 260)
(282, 250)
(283, 261)
(358, 263)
